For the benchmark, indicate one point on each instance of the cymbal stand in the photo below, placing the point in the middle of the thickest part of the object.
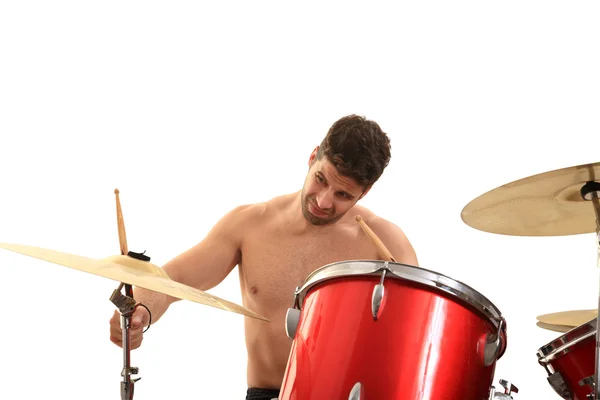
(591, 191)
(126, 305)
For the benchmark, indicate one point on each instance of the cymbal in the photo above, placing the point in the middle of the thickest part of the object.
(555, 328)
(567, 319)
(546, 204)
(131, 271)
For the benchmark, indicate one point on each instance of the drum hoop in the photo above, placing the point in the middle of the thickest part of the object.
(353, 268)
(563, 343)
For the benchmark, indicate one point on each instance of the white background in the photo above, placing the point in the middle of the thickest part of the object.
(191, 109)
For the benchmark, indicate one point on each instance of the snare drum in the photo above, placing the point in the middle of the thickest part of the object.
(377, 330)
(569, 361)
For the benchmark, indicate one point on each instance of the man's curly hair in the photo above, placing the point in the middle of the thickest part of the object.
(358, 149)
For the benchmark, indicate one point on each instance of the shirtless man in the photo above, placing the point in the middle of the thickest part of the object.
(276, 244)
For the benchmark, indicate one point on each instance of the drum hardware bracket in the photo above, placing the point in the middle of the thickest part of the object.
(378, 296)
(589, 381)
(493, 343)
(509, 388)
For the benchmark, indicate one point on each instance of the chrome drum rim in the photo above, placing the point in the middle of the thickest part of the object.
(356, 268)
(565, 342)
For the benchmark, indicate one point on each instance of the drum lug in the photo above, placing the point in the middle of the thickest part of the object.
(291, 322)
(292, 317)
(357, 392)
(493, 343)
(378, 298)
(509, 388)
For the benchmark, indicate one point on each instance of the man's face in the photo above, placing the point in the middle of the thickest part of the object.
(327, 195)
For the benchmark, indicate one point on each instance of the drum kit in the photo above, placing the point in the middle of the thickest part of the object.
(556, 203)
(379, 329)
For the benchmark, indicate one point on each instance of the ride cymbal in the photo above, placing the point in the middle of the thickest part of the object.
(546, 204)
(566, 319)
(128, 270)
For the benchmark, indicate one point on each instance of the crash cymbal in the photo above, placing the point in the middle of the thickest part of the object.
(569, 319)
(128, 270)
(546, 204)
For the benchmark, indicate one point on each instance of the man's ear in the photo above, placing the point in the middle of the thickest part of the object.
(313, 155)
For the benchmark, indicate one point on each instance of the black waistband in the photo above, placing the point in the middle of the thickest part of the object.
(262, 394)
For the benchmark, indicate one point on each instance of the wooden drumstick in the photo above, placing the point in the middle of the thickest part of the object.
(122, 239)
(375, 239)
(121, 226)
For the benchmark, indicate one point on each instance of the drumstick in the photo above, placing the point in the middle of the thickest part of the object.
(376, 241)
(122, 239)
(121, 226)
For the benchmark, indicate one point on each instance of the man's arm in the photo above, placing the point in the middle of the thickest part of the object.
(394, 239)
(206, 264)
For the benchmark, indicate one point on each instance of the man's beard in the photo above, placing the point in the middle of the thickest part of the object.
(313, 219)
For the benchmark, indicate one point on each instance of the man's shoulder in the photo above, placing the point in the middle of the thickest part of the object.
(379, 222)
(391, 235)
(370, 218)
(383, 226)
(246, 212)
(259, 211)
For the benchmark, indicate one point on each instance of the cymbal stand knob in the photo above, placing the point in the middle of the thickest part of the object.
(126, 306)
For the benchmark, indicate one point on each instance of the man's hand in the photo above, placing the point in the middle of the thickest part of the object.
(139, 320)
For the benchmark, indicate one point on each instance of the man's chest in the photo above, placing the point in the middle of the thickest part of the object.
(274, 265)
